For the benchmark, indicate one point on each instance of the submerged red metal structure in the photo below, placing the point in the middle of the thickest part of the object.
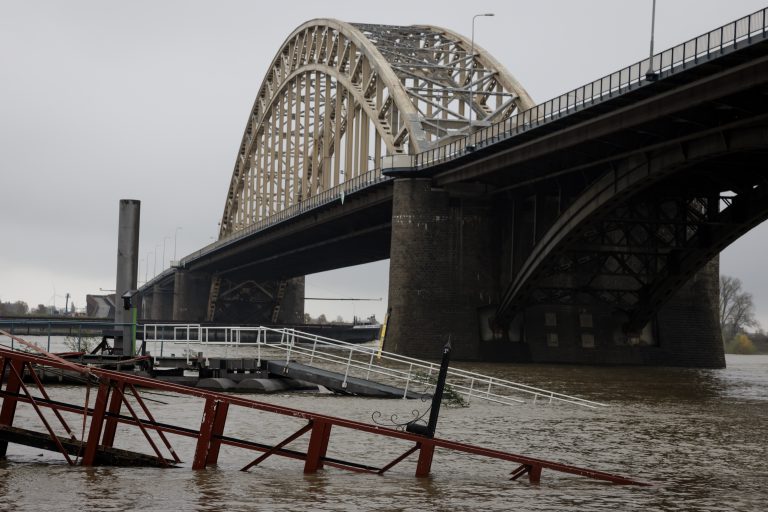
(113, 389)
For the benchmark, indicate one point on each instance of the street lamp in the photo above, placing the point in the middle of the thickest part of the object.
(472, 64)
(651, 74)
(175, 234)
(146, 268)
(162, 264)
(157, 248)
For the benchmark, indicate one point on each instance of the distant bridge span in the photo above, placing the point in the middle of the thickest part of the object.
(582, 229)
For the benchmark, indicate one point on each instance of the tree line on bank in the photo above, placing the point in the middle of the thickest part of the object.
(742, 333)
(21, 308)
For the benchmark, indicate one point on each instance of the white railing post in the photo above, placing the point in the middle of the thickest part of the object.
(346, 373)
(407, 381)
(370, 363)
(288, 353)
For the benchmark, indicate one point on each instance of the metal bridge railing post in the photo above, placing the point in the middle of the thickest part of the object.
(370, 364)
(407, 380)
(288, 353)
(312, 354)
(346, 372)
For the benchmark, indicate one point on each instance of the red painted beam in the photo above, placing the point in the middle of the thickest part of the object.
(97, 423)
(211, 428)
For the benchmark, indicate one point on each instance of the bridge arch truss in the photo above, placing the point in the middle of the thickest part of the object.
(339, 96)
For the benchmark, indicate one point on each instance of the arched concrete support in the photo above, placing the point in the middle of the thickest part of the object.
(442, 270)
(147, 298)
(162, 303)
(190, 295)
(689, 324)
(292, 304)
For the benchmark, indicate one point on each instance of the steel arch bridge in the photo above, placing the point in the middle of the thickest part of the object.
(338, 96)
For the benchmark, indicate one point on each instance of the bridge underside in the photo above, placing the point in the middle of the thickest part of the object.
(260, 279)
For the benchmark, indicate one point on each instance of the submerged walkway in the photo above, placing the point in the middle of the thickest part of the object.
(337, 382)
(111, 407)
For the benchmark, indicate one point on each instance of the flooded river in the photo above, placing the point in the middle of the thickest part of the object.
(699, 436)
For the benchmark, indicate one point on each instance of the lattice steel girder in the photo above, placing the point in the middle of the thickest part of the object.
(642, 228)
(338, 96)
(745, 211)
(610, 264)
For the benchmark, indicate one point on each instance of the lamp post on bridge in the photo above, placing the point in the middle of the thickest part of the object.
(175, 234)
(146, 268)
(162, 263)
(157, 248)
(651, 74)
(471, 66)
(472, 63)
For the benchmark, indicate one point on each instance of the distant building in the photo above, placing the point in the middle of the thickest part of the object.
(100, 306)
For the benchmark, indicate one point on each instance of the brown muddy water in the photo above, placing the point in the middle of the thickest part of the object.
(699, 436)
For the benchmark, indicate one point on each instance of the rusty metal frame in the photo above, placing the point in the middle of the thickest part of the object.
(303, 430)
(105, 414)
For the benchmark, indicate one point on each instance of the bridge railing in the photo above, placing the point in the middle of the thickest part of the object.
(716, 42)
(353, 360)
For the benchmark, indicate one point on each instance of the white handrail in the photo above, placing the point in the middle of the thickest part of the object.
(355, 359)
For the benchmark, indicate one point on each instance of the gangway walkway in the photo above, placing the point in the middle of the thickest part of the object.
(350, 360)
(338, 382)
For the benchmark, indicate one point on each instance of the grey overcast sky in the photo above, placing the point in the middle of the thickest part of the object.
(103, 100)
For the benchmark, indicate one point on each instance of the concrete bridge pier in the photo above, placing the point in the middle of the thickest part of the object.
(442, 269)
(162, 303)
(689, 324)
(190, 296)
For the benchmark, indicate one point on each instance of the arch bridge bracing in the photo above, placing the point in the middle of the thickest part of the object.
(338, 96)
(642, 230)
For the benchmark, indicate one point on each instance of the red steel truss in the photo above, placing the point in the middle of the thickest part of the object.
(111, 407)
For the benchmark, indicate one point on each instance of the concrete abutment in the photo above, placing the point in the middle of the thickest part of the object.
(441, 270)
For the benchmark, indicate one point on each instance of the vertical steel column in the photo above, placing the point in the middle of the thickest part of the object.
(218, 429)
(214, 416)
(424, 465)
(12, 387)
(534, 474)
(318, 446)
(127, 266)
(97, 423)
(110, 427)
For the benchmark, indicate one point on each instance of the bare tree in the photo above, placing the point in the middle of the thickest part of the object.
(737, 309)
